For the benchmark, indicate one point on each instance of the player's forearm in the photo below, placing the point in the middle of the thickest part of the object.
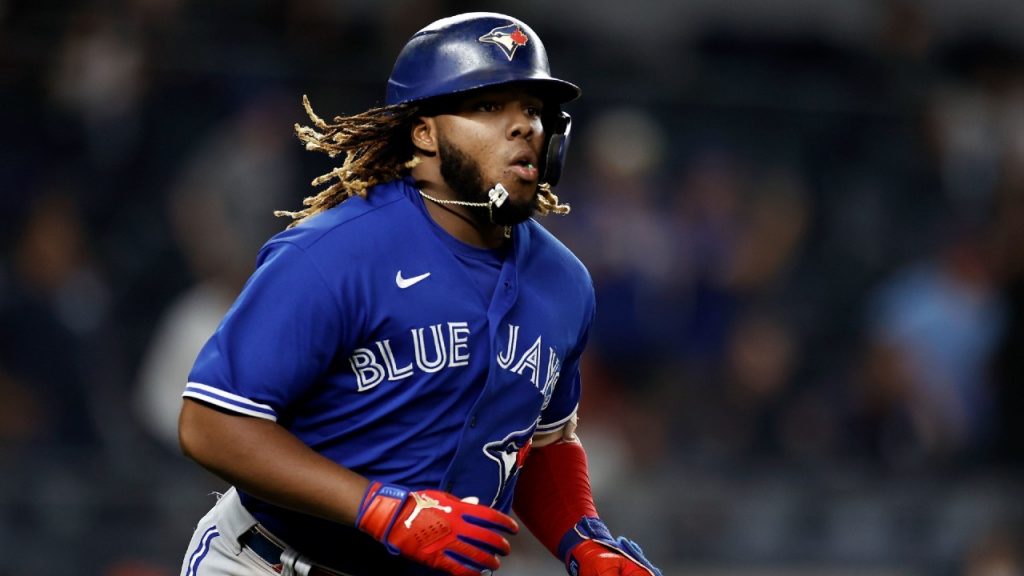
(553, 500)
(262, 458)
(553, 492)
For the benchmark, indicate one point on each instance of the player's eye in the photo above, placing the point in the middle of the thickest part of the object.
(534, 111)
(488, 106)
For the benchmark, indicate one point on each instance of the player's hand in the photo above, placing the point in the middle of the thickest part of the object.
(593, 552)
(592, 558)
(435, 528)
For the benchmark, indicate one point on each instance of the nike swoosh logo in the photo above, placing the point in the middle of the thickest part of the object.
(406, 282)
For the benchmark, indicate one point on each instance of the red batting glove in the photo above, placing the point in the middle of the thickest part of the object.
(435, 528)
(593, 559)
(589, 550)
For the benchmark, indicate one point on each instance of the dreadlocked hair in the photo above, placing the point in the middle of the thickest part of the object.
(376, 148)
(547, 202)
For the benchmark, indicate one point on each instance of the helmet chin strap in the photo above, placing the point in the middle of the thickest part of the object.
(497, 196)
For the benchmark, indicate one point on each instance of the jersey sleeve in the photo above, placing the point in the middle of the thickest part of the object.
(278, 337)
(565, 398)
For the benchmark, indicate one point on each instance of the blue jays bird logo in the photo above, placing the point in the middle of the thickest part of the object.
(509, 453)
(508, 38)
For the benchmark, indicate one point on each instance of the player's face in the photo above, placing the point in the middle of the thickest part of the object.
(463, 175)
(494, 136)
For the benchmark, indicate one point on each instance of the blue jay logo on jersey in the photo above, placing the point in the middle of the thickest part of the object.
(509, 453)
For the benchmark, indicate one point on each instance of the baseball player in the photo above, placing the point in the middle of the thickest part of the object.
(402, 368)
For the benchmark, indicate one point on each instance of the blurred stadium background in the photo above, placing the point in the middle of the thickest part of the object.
(804, 219)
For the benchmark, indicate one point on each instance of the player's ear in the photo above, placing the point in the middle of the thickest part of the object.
(424, 134)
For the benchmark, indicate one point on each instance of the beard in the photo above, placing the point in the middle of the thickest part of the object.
(463, 175)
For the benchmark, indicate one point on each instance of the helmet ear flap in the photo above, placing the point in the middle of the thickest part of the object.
(558, 127)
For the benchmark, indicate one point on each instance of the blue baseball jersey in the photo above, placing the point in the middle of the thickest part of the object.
(377, 339)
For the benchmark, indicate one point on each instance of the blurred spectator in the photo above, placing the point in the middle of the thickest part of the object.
(980, 121)
(620, 230)
(734, 413)
(222, 208)
(739, 237)
(933, 329)
(52, 311)
(707, 211)
(99, 80)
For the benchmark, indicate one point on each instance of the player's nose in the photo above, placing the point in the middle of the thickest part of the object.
(521, 123)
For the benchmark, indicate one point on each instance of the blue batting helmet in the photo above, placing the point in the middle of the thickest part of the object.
(477, 50)
(471, 51)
